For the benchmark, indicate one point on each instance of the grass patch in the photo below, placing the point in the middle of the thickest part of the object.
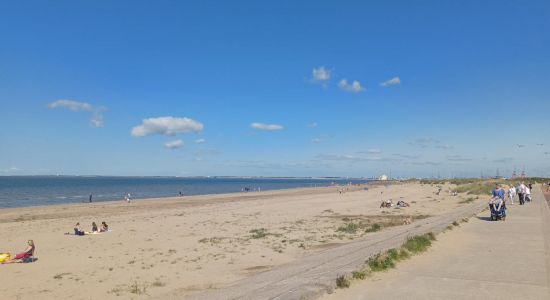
(348, 228)
(419, 243)
(258, 233)
(380, 262)
(60, 275)
(342, 282)
(375, 227)
(135, 288)
(358, 275)
(455, 223)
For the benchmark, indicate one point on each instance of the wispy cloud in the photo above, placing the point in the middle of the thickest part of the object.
(425, 142)
(391, 82)
(354, 87)
(408, 156)
(168, 126)
(200, 141)
(504, 160)
(96, 118)
(173, 144)
(312, 125)
(444, 147)
(320, 74)
(425, 163)
(10, 170)
(267, 127)
(374, 151)
(458, 158)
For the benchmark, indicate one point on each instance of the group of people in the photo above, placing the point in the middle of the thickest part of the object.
(523, 191)
(497, 204)
(389, 203)
(78, 231)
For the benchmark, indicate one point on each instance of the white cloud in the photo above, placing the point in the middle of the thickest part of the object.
(200, 141)
(374, 151)
(268, 127)
(391, 82)
(71, 105)
(312, 125)
(320, 74)
(173, 144)
(166, 126)
(317, 140)
(97, 117)
(354, 87)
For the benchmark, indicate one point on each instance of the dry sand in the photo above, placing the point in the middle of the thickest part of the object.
(192, 243)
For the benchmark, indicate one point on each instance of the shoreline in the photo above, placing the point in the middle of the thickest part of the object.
(167, 202)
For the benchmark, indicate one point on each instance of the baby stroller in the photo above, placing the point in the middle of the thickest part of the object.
(500, 214)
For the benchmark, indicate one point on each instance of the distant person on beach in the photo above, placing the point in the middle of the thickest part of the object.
(127, 197)
(90, 198)
(77, 230)
(104, 227)
(28, 253)
(94, 227)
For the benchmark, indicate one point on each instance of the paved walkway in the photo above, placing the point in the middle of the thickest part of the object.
(312, 276)
(479, 260)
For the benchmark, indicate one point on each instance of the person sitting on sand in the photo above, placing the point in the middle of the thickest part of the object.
(77, 230)
(94, 227)
(386, 203)
(104, 227)
(28, 253)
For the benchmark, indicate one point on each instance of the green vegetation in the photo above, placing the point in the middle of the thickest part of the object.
(380, 262)
(375, 227)
(359, 275)
(419, 243)
(135, 288)
(258, 233)
(342, 282)
(455, 223)
(348, 228)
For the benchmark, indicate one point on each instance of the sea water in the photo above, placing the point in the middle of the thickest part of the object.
(21, 191)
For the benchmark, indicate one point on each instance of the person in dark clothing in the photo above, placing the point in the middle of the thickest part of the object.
(90, 198)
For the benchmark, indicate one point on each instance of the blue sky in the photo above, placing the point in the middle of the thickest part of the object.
(256, 88)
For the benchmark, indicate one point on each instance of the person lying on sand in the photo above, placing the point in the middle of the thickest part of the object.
(402, 203)
(28, 253)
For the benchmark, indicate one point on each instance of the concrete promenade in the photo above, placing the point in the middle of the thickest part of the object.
(479, 260)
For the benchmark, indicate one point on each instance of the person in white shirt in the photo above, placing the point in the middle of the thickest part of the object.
(521, 193)
(511, 193)
(527, 194)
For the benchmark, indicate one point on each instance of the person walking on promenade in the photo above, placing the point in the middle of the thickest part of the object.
(521, 193)
(511, 193)
(528, 193)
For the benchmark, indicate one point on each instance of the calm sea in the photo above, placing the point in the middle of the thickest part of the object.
(19, 191)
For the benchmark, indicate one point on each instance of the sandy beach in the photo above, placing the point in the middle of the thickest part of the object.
(191, 244)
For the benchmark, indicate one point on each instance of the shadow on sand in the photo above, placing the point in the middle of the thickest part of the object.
(484, 218)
